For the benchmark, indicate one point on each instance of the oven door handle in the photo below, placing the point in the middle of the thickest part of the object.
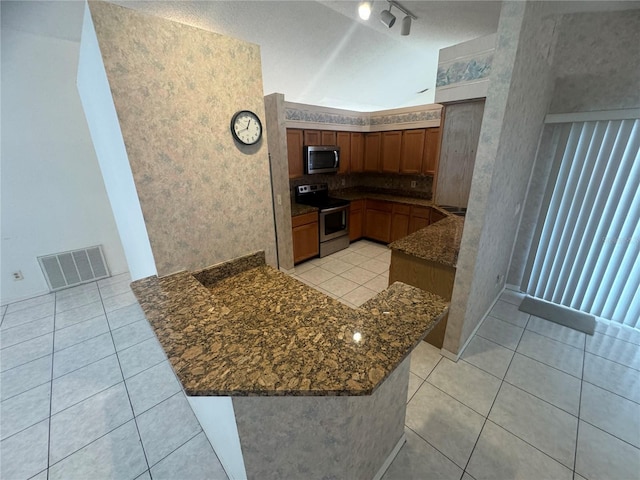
(334, 209)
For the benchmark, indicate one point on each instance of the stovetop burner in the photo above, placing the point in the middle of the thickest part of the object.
(317, 195)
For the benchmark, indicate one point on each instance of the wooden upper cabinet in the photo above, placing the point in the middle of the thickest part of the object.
(357, 152)
(328, 137)
(312, 137)
(343, 140)
(372, 152)
(431, 151)
(390, 152)
(412, 151)
(294, 152)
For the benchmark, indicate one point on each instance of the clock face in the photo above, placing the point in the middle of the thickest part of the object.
(246, 127)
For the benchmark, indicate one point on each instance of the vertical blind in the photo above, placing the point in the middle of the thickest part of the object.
(588, 253)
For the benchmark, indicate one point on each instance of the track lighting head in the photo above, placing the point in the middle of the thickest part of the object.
(406, 26)
(388, 18)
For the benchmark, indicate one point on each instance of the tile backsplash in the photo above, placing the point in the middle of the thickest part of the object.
(374, 181)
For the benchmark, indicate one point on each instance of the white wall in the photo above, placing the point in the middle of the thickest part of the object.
(53, 197)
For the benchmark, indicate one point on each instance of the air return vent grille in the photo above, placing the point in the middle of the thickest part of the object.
(67, 269)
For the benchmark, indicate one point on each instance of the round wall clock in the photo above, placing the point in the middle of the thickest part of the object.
(246, 127)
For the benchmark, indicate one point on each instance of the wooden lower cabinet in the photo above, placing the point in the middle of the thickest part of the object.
(400, 221)
(377, 223)
(306, 243)
(436, 215)
(420, 217)
(426, 275)
(356, 220)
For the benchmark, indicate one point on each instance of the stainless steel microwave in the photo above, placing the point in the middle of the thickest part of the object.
(321, 159)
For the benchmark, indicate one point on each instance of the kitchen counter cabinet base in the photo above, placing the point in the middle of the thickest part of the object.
(311, 437)
(426, 275)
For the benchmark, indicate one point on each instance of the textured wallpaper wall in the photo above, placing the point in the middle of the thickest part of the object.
(597, 62)
(175, 88)
(519, 93)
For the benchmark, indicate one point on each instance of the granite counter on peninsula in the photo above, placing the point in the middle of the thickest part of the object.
(427, 259)
(286, 381)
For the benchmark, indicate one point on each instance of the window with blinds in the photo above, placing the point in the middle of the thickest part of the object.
(587, 254)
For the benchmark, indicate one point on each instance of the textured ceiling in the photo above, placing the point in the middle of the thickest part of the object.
(316, 52)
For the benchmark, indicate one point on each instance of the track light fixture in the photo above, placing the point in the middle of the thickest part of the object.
(388, 18)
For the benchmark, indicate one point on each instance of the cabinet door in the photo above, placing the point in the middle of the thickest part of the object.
(312, 137)
(357, 152)
(294, 152)
(390, 151)
(343, 140)
(420, 217)
(436, 215)
(400, 221)
(306, 242)
(328, 137)
(372, 152)
(412, 151)
(377, 225)
(356, 217)
(431, 151)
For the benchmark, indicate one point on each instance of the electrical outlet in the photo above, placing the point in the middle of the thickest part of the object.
(344, 182)
(413, 184)
(279, 199)
(18, 276)
(498, 278)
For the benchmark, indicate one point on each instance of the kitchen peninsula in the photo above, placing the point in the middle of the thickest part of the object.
(287, 382)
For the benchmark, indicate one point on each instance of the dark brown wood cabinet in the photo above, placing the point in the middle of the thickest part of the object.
(377, 223)
(356, 220)
(400, 216)
(305, 236)
(357, 152)
(436, 216)
(312, 137)
(431, 151)
(343, 140)
(391, 148)
(294, 152)
(412, 151)
(328, 137)
(372, 152)
(419, 217)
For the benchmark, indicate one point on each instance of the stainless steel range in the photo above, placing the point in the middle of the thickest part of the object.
(333, 216)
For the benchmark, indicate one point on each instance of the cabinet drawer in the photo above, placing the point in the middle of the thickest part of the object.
(298, 220)
(401, 208)
(381, 205)
(422, 212)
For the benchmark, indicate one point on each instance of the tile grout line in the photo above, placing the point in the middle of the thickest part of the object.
(486, 418)
(575, 451)
(53, 349)
(146, 460)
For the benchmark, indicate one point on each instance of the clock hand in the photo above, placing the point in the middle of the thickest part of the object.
(248, 123)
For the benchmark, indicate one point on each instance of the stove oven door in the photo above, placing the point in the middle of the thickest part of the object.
(334, 223)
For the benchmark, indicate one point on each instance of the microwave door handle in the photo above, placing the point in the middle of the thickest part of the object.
(335, 160)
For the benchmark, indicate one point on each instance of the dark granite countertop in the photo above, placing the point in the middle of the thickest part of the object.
(252, 330)
(439, 242)
(299, 209)
(382, 194)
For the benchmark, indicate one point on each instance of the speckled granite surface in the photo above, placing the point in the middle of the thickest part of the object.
(299, 209)
(382, 194)
(439, 242)
(261, 332)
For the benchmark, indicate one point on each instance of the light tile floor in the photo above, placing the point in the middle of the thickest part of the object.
(87, 392)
